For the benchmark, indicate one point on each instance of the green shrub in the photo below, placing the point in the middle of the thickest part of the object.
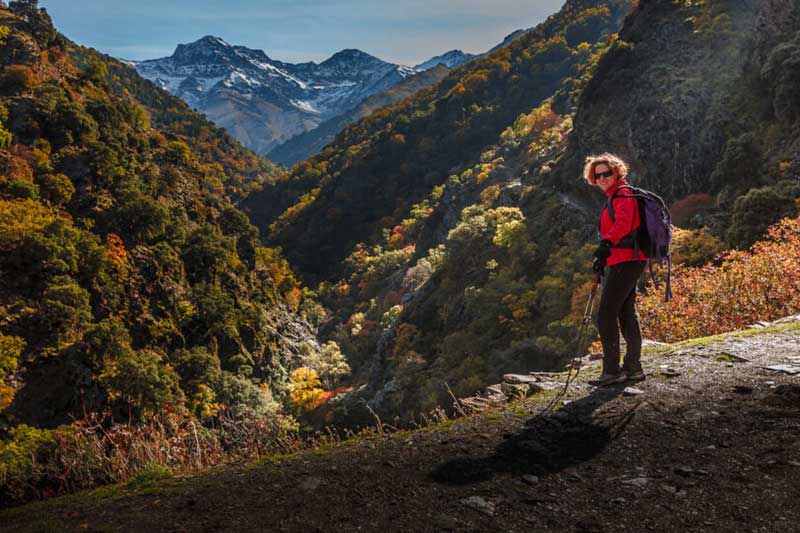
(141, 380)
(197, 366)
(781, 71)
(141, 217)
(22, 189)
(26, 461)
(755, 211)
(695, 247)
(10, 349)
(17, 78)
(179, 153)
(96, 71)
(56, 188)
(739, 165)
(206, 253)
(65, 305)
(240, 395)
(5, 138)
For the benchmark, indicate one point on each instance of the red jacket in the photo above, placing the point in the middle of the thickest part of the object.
(626, 215)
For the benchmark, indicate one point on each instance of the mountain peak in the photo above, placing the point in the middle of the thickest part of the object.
(208, 46)
(350, 55)
(297, 96)
(451, 59)
(209, 42)
(212, 40)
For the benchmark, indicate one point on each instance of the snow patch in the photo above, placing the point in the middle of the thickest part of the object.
(305, 106)
(237, 78)
(283, 73)
(406, 71)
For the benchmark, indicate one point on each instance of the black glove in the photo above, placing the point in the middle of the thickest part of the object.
(604, 250)
(601, 255)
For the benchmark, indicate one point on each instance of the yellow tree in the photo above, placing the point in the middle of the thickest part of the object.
(305, 389)
(329, 364)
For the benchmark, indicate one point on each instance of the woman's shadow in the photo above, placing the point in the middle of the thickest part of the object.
(551, 442)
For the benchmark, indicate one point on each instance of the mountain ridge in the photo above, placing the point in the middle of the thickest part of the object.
(265, 102)
(262, 100)
(305, 145)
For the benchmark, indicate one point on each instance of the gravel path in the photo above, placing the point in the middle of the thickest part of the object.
(709, 444)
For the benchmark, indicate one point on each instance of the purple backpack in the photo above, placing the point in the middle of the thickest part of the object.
(654, 234)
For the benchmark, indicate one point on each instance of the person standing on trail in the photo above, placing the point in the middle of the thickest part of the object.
(625, 263)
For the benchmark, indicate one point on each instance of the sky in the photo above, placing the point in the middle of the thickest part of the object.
(401, 31)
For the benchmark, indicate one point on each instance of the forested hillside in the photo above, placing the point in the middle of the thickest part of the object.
(131, 289)
(453, 232)
(420, 292)
(702, 99)
(376, 169)
(229, 166)
(146, 322)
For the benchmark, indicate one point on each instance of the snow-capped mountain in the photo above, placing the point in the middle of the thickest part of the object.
(451, 59)
(262, 101)
(307, 144)
(456, 58)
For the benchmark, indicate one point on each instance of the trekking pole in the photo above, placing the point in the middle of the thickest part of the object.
(575, 363)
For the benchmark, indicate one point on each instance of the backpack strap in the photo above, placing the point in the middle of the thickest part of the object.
(668, 292)
(652, 276)
(610, 203)
(668, 286)
(632, 234)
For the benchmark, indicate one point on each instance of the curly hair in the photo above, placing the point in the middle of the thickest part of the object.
(614, 162)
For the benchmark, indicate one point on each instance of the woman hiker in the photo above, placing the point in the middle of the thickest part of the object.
(625, 264)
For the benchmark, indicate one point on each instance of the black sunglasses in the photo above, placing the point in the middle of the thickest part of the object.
(606, 174)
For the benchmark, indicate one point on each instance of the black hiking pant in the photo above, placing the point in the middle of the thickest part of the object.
(618, 305)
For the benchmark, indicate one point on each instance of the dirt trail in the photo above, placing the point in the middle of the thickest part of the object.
(711, 444)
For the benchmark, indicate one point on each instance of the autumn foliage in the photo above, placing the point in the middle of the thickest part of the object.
(760, 284)
(124, 264)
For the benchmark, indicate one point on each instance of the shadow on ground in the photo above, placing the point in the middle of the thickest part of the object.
(551, 442)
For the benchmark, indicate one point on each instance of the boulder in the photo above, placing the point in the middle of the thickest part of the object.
(786, 369)
(632, 391)
(534, 383)
(491, 390)
(520, 378)
(515, 390)
(480, 504)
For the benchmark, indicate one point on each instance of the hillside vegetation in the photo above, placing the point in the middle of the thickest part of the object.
(707, 444)
(228, 166)
(139, 311)
(377, 168)
(451, 232)
(147, 325)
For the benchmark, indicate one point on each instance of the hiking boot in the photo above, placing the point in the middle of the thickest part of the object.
(609, 379)
(635, 375)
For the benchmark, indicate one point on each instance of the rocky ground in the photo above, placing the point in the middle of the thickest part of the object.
(710, 441)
